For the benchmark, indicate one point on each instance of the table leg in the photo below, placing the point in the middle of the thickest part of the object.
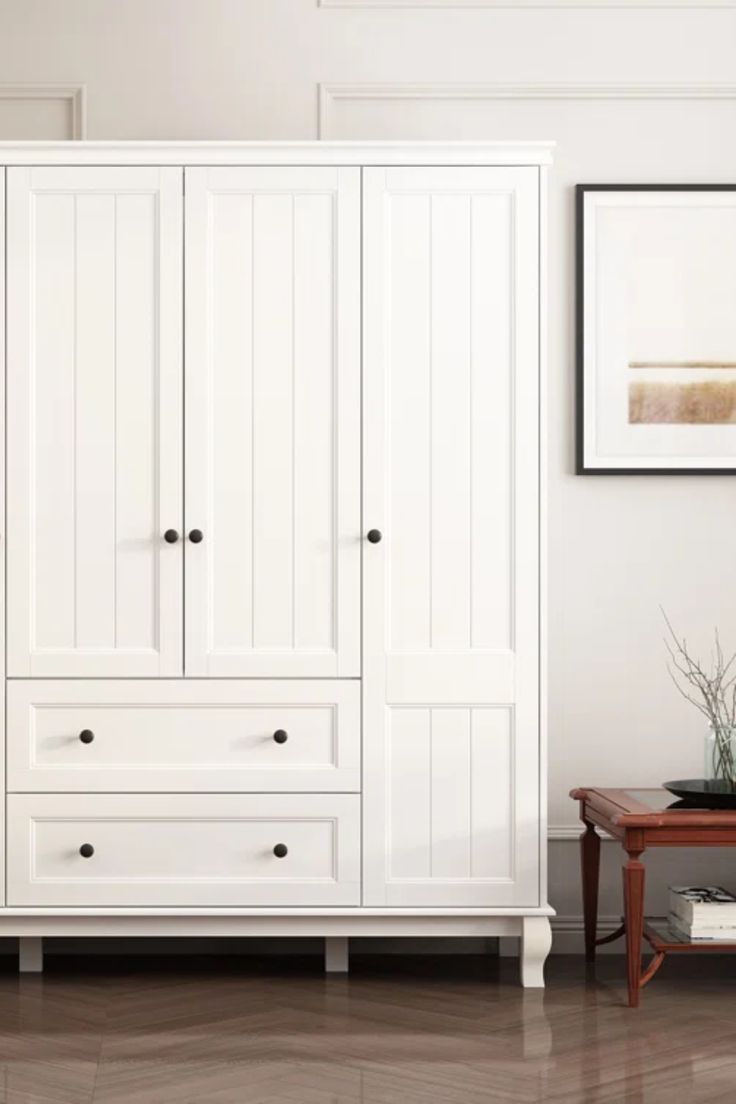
(634, 919)
(590, 859)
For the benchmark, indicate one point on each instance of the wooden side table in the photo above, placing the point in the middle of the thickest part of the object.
(641, 819)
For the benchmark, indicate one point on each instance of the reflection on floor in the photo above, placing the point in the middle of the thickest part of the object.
(396, 1031)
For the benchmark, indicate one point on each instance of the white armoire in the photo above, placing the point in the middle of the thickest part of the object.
(274, 542)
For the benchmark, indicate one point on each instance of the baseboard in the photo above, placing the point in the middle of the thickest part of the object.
(568, 936)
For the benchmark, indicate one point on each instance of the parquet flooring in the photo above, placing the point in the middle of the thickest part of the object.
(395, 1031)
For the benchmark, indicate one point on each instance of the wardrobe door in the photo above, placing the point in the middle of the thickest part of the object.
(94, 421)
(272, 421)
(451, 591)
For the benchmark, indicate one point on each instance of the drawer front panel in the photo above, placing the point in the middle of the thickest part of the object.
(111, 736)
(187, 850)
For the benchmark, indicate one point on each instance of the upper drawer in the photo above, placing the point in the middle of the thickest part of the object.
(169, 735)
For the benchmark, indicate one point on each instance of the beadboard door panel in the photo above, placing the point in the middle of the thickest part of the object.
(451, 593)
(160, 735)
(273, 421)
(94, 267)
(183, 849)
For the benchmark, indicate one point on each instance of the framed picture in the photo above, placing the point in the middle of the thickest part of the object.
(656, 328)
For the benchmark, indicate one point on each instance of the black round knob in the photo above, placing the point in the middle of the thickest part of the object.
(281, 850)
(86, 735)
(374, 535)
(196, 535)
(86, 850)
(281, 735)
(171, 536)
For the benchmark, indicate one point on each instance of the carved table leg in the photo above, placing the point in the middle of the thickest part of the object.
(590, 859)
(634, 919)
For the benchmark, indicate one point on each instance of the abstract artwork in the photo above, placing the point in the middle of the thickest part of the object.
(656, 328)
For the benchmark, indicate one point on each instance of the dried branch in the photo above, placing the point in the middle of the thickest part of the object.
(714, 693)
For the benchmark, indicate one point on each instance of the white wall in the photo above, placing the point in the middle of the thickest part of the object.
(619, 546)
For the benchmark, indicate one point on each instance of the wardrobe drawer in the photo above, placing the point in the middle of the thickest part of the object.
(183, 849)
(135, 735)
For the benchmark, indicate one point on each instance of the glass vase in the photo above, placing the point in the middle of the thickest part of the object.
(720, 755)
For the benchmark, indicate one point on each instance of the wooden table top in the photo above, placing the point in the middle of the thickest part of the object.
(650, 808)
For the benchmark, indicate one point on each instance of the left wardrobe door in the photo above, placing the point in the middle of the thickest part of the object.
(94, 402)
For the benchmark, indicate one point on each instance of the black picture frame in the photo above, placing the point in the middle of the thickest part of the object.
(580, 368)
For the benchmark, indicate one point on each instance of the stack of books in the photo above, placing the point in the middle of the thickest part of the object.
(703, 913)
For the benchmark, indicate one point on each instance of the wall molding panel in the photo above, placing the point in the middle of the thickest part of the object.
(331, 93)
(75, 95)
(510, 4)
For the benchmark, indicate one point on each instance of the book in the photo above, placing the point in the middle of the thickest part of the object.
(701, 935)
(703, 906)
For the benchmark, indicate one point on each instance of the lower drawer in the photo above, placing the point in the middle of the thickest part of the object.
(125, 735)
(183, 849)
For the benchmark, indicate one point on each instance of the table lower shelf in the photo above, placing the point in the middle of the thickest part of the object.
(665, 940)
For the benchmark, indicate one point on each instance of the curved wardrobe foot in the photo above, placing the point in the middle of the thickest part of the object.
(536, 940)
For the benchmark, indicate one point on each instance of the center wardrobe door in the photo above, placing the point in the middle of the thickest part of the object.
(272, 497)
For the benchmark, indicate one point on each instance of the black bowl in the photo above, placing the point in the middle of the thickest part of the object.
(704, 793)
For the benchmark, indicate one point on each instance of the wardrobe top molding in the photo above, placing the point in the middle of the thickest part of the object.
(276, 153)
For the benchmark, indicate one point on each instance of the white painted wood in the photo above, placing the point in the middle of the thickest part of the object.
(543, 535)
(30, 954)
(265, 922)
(320, 152)
(468, 914)
(337, 955)
(183, 849)
(95, 421)
(273, 394)
(451, 324)
(2, 537)
(509, 916)
(451, 475)
(178, 735)
(536, 942)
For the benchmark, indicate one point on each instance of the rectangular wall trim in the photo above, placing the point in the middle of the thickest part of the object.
(74, 94)
(331, 93)
(526, 3)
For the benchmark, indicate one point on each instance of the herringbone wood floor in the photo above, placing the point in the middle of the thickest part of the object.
(396, 1031)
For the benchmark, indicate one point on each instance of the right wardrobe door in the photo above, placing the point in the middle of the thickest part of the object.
(451, 575)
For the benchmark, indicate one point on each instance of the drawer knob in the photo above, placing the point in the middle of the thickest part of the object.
(281, 735)
(86, 850)
(196, 535)
(375, 536)
(171, 536)
(86, 735)
(281, 850)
